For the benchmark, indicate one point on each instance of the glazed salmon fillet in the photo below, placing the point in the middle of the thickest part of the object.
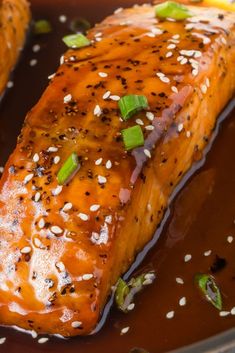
(63, 247)
(14, 20)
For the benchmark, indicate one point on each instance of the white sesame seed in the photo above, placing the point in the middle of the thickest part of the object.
(94, 208)
(52, 149)
(223, 40)
(120, 9)
(207, 253)
(203, 89)
(187, 258)
(182, 301)
(169, 54)
(160, 74)
(108, 219)
(41, 223)
(28, 178)
(207, 82)
(98, 161)
(101, 179)
(67, 98)
(103, 74)
(1, 170)
(188, 134)
(230, 239)
(150, 35)
(165, 79)
(174, 89)
(97, 111)
(180, 127)
(62, 60)
(147, 153)
(99, 34)
(171, 46)
(106, 95)
(156, 31)
(34, 334)
(38, 242)
(195, 72)
(26, 250)
(60, 265)
(56, 230)
(125, 330)
(131, 306)
(150, 116)
(10, 84)
(179, 280)
(57, 190)
(108, 164)
(56, 159)
(206, 40)
(36, 48)
(33, 62)
(67, 207)
(50, 77)
(83, 216)
(139, 122)
(170, 315)
(76, 324)
(87, 276)
(2, 340)
(149, 127)
(43, 340)
(37, 196)
(115, 98)
(176, 36)
(232, 311)
(36, 158)
(62, 18)
(184, 61)
(224, 313)
(180, 58)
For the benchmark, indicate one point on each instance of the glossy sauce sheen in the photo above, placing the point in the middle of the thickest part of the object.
(167, 266)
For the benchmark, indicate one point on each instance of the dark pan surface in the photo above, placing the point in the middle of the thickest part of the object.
(201, 218)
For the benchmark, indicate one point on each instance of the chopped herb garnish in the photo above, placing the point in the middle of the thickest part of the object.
(133, 137)
(171, 9)
(125, 292)
(42, 27)
(209, 288)
(69, 169)
(76, 41)
(132, 104)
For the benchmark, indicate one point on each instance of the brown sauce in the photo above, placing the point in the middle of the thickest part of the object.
(201, 218)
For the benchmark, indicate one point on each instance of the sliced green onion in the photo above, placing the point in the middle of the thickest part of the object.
(132, 104)
(76, 41)
(171, 9)
(209, 288)
(69, 169)
(121, 292)
(132, 137)
(42, 27)
(125, 292)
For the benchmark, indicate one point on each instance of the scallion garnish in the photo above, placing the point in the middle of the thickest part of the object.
(132, 137)
(125, 292)
(132, 104)
(76, 41)
(69, 169)
(209, 288)
(171, 9)
(42, 27)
